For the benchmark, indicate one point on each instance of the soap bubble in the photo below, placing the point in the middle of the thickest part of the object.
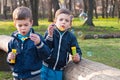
(83, 16)
(72, 30)
(89, 53)
(79, 33)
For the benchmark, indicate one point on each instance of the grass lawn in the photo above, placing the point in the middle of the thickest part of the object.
(106, 51)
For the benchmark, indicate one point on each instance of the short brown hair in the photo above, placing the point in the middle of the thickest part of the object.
(60, 11)
(21, 13)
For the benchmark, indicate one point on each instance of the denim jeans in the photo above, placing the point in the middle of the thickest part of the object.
(49, 74)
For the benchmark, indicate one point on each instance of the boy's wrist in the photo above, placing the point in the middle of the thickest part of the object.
(49, 38)
(39, 45)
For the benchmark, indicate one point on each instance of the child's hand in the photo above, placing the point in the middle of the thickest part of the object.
(51, 29)
(35, 38)
(11, 56)
(76, 58)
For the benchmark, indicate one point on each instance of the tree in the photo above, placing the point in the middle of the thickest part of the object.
(106, 8)
(118, 10)
(103, 8)
(34, 6)
(113, 9)
(50, 17)
(5, 9)
(90, 14)
(13, 5)
(55, 4)
(70, 8)
(85, 6)
(95, 9)
(52, 4)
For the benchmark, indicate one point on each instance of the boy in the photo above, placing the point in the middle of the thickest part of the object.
(60, 40)
(28, 47)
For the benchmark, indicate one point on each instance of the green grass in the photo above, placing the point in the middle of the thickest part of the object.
(102, 50)
(5, 75)
(102, 26)
(106, 51)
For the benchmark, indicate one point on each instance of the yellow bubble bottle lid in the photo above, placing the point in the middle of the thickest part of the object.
(14, 51)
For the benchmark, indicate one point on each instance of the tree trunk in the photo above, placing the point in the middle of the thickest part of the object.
(3, 50)
(13, 5)
(90, 70)
(50, 16)
(4, 42)
(85, 5)
(20, 3)
(34, 6)
(95, 9)
(70, 5)
(118, 10)
(42, 9)
(5, 9)
(89, 21)
(113, 8)
(26, 3)
(106, 9)
(3, 63)
(56, 6)
(85, 70)
(103, 7)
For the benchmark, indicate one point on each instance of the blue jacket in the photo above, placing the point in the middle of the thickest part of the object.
(29, 56)
(60, 45)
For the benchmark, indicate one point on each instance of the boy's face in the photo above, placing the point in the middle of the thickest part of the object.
(23, 26)
(63, 22)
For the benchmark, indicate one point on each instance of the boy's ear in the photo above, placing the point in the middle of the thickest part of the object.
(54, 20)
(31, 22)
(14, 23)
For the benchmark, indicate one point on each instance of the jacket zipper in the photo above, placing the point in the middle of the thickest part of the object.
(22, 46)
(58, 53)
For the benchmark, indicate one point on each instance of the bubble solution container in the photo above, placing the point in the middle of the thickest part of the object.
(73, 50)
(12, 61)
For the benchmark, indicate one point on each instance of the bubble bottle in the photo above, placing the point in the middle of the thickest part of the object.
(12, 61)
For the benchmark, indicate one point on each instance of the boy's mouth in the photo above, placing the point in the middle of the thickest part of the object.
(23, 33)
(62, 28)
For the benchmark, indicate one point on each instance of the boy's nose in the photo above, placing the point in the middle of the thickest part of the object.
(63, 22)
(23, 27)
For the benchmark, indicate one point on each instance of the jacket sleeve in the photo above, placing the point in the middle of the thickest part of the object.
(49, 40)
(43, 49)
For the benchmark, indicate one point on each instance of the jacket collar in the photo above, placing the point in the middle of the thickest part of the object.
(15, 34)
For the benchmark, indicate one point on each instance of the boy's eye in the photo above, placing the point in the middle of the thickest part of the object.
(66, 20)
(19, 25)
(61, 19)
(25, 24)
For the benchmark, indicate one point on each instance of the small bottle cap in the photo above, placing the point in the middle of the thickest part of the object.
(13, 50)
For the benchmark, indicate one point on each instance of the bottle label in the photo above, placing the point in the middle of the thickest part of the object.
(13, 60)
(73, 50)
